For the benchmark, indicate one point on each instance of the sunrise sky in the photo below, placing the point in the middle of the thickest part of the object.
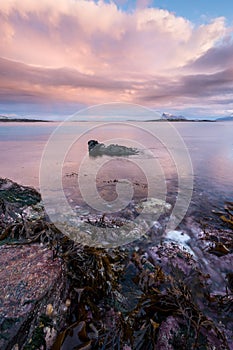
(172, 56)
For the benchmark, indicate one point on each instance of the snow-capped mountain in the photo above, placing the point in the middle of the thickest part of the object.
(169, 116)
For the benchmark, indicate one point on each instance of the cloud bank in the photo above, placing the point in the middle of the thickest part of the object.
(88, 52)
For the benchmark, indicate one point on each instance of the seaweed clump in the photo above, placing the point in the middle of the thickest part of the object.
(139, 303)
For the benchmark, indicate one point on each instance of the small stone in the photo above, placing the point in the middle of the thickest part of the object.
(153, 206)
(15, 347)
(64, 308)
(49, 310)
(68, 302)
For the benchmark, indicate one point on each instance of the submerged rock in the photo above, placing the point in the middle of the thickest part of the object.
(98, 149)
(103, 231)
(153, 206)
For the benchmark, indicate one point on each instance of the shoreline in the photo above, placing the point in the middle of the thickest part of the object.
(24, 120)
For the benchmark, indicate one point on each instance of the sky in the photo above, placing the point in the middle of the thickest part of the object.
(57, 57)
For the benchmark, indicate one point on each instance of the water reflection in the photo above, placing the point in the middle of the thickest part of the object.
(209, 144)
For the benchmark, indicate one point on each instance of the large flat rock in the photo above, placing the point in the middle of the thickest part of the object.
(30, 280)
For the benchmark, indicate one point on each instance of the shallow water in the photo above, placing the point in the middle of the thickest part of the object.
(160, 170)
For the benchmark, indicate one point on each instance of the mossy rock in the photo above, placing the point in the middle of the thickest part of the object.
(11, 192)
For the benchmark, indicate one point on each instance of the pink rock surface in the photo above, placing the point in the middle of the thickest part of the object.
(29, 279)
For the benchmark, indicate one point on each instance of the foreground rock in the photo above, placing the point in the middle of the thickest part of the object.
(32, 280)
(32, 292)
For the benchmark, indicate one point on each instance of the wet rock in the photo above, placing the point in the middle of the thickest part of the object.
(34, 212)
(170, 255)
(92, 144)
(214, 249)
(153, 207)
(180, 238)
(102, 231)
(11, 192)
(14, 199)
(167, 331)
(30, 280)
(98, 149)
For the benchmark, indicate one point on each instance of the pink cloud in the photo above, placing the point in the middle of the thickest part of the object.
(94, 52)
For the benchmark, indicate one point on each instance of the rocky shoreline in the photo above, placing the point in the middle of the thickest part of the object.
(165, 291)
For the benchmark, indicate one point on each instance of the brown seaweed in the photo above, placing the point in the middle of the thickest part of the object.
(227, 215)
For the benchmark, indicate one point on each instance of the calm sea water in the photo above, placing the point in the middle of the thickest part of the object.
(182, 154)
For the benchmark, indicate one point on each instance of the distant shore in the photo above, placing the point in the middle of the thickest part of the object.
(180, 120)
(24, 120)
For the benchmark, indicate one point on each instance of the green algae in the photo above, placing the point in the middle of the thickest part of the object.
(37, 340)
(19, 195)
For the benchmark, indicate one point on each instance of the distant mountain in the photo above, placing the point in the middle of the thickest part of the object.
(3, 117)
(172, 117)
(226, 119)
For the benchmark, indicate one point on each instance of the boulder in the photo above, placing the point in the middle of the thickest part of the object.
(98, 149)
(14, 198)
(32, 295)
